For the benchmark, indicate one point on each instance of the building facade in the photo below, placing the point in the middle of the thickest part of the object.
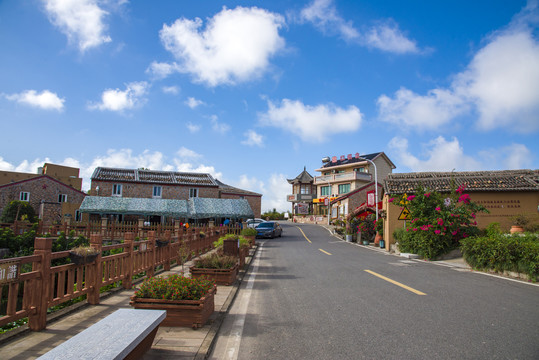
(503, 193)
(151, 184)
(347, 182)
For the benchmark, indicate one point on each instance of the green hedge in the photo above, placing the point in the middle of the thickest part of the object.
(501, 252)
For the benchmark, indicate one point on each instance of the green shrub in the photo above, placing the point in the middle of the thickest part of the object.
(501, 252)
(219, 242)
(216, 261)
(174, 287)
(16, 209)
(248, 232)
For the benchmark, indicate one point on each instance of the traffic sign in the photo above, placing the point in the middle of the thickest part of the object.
(405, 214)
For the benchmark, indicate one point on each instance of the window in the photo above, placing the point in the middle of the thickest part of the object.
(324, 191)
(157, 191)
(117, 190)
(193, 193)
(361, 169)
(344, 188)
(62, 198)
(78, 215)
(24, 196)
(305, 189)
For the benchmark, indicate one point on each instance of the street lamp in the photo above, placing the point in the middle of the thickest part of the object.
(375, 184)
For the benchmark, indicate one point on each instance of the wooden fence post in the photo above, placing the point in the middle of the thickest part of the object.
(168, 237)
(127, 283)
(95, 276)
(104, 222)
(38, 320)
(151, 247)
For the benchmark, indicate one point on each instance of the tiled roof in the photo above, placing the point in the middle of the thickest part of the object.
(303, 178)
(231, 189)
(194, 208)
(504, 180)
(153, 176)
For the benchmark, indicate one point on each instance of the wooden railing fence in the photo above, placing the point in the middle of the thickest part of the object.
(34, 289)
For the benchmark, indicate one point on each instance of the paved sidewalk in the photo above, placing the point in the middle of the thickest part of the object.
(169, 343)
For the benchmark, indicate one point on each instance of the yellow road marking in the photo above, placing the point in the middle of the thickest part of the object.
(305, 236)
(396, 283)
(325, 252)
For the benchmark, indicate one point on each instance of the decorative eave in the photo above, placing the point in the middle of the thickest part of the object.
(303, 178)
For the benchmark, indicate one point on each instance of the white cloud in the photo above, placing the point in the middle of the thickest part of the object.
(312, 123)
(431, 111)
(161, 70)
(388, 37)
(174, 90)
(385, 36)
(500, 84)
(118, 100)
(253, 139)
(234, 47)
(185, 153)
(46, 100)
(275, 196)
(193, 103)
(443, 155)
(324, 16)
(193, 128)
(82, 21)
(219, 126)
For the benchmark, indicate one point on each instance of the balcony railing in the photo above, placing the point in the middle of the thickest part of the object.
(351, 176)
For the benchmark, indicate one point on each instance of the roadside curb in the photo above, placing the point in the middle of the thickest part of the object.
(209, 340)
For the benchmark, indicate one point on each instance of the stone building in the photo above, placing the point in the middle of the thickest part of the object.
(51, 199)
(504, 193)
(168, 185)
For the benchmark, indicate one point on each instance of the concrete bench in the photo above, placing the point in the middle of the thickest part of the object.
(124, 334)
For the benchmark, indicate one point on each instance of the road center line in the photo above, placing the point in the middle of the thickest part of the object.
(396, 283)
(305, 236)
(325, 252)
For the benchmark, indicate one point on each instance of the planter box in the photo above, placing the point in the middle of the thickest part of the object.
(251, 239)
(81, 260)
(185, 313)
(161, 243)
(220, 276)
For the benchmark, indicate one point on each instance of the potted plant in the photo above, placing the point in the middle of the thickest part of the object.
(220, 268)
(379, 227)
(202, 234)
(188, 302)
(519, 222)
(161, 243)
(367, 229)
(249, 234)
(83, 255)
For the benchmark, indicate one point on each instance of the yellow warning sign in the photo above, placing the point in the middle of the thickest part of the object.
(405, 214)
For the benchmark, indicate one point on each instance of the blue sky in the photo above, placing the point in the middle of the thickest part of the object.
(253, 91)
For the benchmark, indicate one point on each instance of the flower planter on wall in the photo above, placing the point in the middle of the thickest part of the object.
(81, 259)
(220, 276)
(185, 313)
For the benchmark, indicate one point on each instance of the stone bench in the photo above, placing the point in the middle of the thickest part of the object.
(124, 334)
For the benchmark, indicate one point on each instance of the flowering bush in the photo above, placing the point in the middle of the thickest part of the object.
(367, 227)
(174, 287)
(438, 222)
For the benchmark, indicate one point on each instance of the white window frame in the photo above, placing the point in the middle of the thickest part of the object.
(24, 196)
(322, 188)
(193, 192)
(117, 190)
(160, 192)
(62, 198)
(343, 185)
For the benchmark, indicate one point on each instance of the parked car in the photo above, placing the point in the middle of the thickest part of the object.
(269, 229)
(253, 223)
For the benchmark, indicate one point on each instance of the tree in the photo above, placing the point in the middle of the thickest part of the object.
(16, 210)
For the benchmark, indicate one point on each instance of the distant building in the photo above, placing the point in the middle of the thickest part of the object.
(165, 185)
(347, 182)
(303, 193)
(54, 191)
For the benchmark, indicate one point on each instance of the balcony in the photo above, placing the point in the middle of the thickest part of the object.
(300, 197)
(335, 178)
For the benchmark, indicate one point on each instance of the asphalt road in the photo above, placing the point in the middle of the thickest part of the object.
(309, 295)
